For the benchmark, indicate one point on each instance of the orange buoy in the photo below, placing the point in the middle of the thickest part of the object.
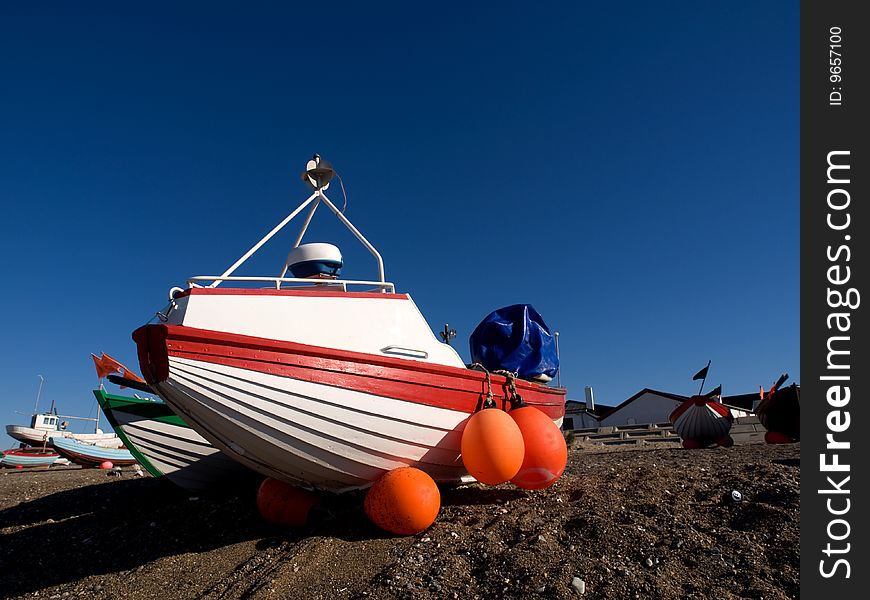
(404, 501)
(492, 446)
(106, 464)
(546, 453)
(19, 466)
(284, 504)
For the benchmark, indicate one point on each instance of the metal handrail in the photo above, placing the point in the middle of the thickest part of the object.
(403, 351)
(384, 286)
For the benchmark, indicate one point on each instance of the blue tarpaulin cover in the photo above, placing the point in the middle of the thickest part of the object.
(515, 338)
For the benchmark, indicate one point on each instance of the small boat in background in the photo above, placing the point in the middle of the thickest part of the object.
(28, 457)
(47, 425)
(165, 445)
(50, 424)
(703, 421)
(90, 455)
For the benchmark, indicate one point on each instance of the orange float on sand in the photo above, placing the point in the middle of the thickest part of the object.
(492, 446)
(404, 501)
(106, 464)
(546, 453)
(284, 504)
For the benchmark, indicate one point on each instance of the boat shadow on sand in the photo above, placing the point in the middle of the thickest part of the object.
(118, 526)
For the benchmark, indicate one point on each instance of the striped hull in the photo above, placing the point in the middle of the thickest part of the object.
(166, 446)
(14, 458)
(318, 417)
(707, 422)
(89, 455)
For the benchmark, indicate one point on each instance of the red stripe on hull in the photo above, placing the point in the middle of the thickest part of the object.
(30, 454)
(90, 461)
(424, 383)
(720, 408)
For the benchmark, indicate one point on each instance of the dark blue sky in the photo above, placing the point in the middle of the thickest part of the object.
(630, 170)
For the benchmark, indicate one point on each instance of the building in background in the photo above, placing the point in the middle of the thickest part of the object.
(645, 407)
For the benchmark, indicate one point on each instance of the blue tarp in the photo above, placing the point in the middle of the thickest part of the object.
(515, 338)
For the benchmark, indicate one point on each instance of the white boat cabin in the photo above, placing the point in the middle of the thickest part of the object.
(47, 422)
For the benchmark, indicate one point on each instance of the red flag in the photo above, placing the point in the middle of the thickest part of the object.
(111, 364)
(128, 374)
(105, 364)
(102, 371)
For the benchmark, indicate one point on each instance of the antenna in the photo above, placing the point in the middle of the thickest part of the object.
(317, 173)
(448, 334)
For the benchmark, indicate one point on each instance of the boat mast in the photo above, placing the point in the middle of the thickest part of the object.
(38, 393)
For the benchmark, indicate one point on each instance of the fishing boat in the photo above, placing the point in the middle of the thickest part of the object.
(47, 425)
(90, 455)
(779, 411)
(165, 445)
(315, 380)
(28, 457)
(703, 421)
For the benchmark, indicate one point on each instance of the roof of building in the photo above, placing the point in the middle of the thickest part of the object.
(674, 397)
(602, 410)
(741, 401)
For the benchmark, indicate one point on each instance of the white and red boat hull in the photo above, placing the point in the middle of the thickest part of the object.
(320, 417)
(701, 422)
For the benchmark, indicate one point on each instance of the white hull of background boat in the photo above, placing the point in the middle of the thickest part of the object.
(40, 437)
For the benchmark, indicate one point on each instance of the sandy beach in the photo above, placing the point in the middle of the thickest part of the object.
(639, 521)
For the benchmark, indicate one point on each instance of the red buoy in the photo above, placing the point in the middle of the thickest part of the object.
(775, 437)
(404, 501)
(284, 504)
(546, 453)
(106, 464)
(492, 446)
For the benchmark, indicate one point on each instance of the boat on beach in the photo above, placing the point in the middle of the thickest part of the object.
(318, 381)
(47, 425)
(779, 411)
(90, 455)
(165, 445)
(703, 421)
(28, 457)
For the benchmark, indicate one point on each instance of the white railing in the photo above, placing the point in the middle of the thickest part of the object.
(383, 286)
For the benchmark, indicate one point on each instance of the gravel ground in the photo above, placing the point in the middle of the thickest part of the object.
(638, 521)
